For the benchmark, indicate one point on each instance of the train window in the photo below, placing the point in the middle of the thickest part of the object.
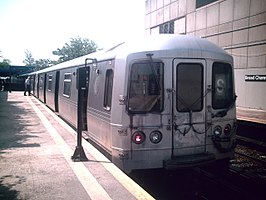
(222, 85)
(108, 89)
(146, 87)
(50, 77)
(67, 85)
(41, 82)
(189, 84)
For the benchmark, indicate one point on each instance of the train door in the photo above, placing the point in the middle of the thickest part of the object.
(188, 113)
(32, 84)
(44, 88)
(38, 85)
(56, 91)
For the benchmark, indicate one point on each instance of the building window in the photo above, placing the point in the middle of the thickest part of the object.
(108, 89)
(67, 85)
(189, 84)
(201, 3)
(168, 27)
(50, 78)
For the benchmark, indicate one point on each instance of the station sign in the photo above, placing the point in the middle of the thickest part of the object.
(255, 78)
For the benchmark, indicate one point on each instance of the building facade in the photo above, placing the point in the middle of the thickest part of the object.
(238, 26)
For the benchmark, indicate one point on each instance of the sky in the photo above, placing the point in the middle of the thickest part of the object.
(42, 26)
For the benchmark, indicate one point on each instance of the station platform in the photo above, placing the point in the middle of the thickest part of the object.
(251, 115)
(35, 158)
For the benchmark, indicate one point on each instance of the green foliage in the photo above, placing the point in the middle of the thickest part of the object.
(37, 64)
(43, 63)
(77, 47)
(3, 61)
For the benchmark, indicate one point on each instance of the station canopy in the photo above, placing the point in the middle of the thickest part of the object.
(12, 70)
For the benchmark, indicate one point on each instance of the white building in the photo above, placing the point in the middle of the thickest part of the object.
(238, 26)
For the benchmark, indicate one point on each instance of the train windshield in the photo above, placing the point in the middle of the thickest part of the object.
(146, 87)
(222, 85)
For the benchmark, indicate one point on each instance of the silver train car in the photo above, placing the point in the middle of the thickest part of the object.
(164, 101)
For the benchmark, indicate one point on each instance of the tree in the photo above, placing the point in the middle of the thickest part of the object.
(43, 63)
(77, 47)
(29, 60)
(37, 64)
(4, 61)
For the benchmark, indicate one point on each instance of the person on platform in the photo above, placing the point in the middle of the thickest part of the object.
(27, 86)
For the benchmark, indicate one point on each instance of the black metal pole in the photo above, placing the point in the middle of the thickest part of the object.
(79, 154)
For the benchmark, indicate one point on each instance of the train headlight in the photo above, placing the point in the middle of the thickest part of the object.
(156, 137)
(138, 137)
(217, 130)
(227, 129)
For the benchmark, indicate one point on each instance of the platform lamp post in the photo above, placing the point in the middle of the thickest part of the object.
(82, 83)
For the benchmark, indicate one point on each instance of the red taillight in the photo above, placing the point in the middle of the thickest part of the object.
(138, 137)
(227, 129)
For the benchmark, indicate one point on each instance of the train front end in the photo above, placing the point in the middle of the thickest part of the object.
(177, 110)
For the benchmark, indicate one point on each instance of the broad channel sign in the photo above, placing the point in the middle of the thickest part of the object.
(255, 78)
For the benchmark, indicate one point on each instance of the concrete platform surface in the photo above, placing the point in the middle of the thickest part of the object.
(251, 115)
(35, 158)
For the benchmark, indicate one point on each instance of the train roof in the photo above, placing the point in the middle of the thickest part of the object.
(167, 44)
(177, 46)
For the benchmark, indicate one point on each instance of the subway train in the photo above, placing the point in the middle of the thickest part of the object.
(163, 101)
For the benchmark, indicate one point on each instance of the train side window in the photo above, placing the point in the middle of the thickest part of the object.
(189, 84)
(108, 89)
(41, 82)
(67, 85)
(222, 85)
(50, 79)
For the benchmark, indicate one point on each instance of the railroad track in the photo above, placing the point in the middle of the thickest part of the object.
(246, 176)
(233, 183)
(221, 184)
(251, 154)
(250, 163)
(256, 144)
